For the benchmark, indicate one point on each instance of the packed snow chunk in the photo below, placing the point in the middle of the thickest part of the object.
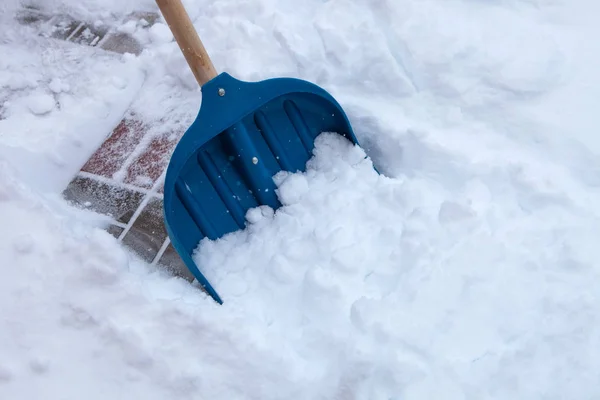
(256, 214)
(331, 149)
(57, 86)
(128, 27)
(40, 103)
(160, 33)
(294, 187)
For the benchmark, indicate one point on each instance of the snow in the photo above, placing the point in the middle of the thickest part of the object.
(160, 33)
(57, 86)
(58, 103)
(40, 103)
(467, 269)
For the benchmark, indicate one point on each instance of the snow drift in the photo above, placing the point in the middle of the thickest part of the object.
(468, 269)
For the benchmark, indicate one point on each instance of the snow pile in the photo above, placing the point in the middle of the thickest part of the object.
(382, 287)
(467, 270)
(361, 286)
(58, 102)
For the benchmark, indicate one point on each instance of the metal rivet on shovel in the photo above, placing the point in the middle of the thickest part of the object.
(275, 121)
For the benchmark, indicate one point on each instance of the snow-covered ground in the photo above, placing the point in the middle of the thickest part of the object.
(468, 270)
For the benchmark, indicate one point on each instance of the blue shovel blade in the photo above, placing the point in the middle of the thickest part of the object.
(225, 162)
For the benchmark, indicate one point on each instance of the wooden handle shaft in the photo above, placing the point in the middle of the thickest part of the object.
(187, 38)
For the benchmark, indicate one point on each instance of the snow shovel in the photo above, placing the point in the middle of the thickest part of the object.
(244, 133)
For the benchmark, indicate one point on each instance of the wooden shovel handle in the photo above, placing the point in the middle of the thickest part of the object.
(187, 38)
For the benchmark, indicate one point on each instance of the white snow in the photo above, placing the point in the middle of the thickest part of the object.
(40, 103)
(467, 270)
(59, 103)
(160, 33)
(57, 86)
